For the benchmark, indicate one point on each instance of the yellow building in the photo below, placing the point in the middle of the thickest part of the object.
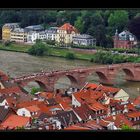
(65, 33)
(6, 30)
(18, 35)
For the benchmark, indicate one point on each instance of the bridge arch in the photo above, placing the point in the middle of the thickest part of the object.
(34, 83)
(66, 80)
(128, 72)
(96, 77)
(102, 77)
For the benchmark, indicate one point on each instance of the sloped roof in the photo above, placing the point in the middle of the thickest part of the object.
(119, 120)
(4, 112)
(33, 108)
(76, 127)
(14, 121)
(68, 27)
(133, 114)
(97, 106)
(137, 101)
(66, 117)
(83, 112)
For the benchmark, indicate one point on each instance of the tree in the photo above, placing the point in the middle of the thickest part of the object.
(35, 90)
(39, 49)
(79, 24)
(126, 127)
(118, 20)
(134, 28)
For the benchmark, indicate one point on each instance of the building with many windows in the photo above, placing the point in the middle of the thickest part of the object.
(65, 34)
(19, 35)
(51, 33)
(6, 30)
(32, 36)
(84, 39)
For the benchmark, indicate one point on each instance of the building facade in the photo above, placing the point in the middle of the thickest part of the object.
(124, 40)
(32, 36)
(19, 35)
(6, 30)
(84, 39)
(51, 33)
(65, 34)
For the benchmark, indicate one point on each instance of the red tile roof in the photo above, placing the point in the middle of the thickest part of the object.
(92, 86)
(119, 120)
(65, 106)
(28, 103)
(68, 27)
(33, 108)
(137, 101)
(14, 121)
(97, 106)
(76, 127)
(133, 114)
(92, 124)
(10, 90)
(47, 95)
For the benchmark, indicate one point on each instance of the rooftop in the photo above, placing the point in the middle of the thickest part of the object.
(68, 27)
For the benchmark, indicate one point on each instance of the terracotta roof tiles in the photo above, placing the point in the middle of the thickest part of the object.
(14, 121)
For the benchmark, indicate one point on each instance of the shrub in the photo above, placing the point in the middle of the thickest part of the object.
(35, 90)
(70, 55)
(50, 42)
(39, 49)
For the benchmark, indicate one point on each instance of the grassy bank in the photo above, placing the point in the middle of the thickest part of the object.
(59, 52)
(100, 57)
(15, 47)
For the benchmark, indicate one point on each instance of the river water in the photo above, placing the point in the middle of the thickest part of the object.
(18, 64)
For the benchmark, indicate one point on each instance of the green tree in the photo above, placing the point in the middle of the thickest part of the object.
(39, 49)
(118, 20)
(79, 24)
(35, 90)
(126, 127)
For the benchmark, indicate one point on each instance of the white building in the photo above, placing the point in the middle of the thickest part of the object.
(32, 36)
(84, 39)
(51, 33)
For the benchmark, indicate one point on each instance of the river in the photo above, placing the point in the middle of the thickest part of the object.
(18, 64)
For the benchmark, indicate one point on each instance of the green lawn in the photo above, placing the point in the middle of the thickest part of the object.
(63, 52)
(15, 47)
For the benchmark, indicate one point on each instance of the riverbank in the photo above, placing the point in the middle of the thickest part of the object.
(55, 52)
(100, 57)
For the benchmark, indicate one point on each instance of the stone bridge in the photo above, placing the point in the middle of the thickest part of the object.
(78, 76)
